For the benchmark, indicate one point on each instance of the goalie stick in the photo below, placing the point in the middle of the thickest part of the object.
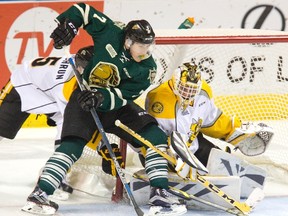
(243, 207)
(104, 137)
(256, 196)
(196, 164)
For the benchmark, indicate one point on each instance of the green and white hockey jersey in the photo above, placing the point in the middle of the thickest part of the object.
(112, 69)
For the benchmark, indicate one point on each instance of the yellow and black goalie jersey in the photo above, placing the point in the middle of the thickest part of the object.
(164, 105)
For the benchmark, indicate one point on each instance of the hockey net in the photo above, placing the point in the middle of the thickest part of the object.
(248, 73)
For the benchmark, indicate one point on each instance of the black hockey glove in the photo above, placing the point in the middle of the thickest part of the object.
(108, 165)
(89, 99)
(64, 34)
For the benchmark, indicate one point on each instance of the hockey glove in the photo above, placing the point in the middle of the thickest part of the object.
(89, 99)
(64, 34)
(108, 165)
(251, 139)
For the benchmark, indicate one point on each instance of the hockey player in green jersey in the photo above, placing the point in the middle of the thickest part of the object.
(121, 69)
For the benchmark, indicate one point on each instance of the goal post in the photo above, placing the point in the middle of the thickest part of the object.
(248, 73)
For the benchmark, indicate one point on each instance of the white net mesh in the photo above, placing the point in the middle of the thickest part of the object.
(248, 76)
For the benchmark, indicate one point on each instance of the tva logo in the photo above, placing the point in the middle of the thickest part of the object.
(29, 36)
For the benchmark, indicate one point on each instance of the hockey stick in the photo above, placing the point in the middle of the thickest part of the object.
(163, 154)
(256, 196)
(104, 138)
(187, 196)
(241, 206)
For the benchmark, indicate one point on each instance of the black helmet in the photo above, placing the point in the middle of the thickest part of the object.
(83, 56)
(140, 31)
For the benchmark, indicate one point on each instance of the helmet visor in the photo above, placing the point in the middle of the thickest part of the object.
(186, 84)
(188, 90)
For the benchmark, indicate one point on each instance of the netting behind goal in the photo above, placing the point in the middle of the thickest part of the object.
(248, 73)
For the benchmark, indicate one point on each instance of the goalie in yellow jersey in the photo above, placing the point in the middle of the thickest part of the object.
(185, 104)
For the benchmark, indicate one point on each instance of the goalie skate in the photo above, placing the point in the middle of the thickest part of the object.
(38, 203)
(162, 204)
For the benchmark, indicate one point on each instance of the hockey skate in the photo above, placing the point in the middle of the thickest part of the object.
(38, 203)
(162, 204)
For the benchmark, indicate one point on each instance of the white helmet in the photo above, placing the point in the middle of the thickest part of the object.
(186, 83)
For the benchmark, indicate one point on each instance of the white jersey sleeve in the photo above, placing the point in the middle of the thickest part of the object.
(40, 84)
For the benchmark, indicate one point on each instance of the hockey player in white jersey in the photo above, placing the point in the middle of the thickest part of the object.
(185, 104)
(40, 86)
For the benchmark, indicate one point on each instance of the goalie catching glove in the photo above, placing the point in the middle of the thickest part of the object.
(64, 34)
(108, 165)
(251, 139)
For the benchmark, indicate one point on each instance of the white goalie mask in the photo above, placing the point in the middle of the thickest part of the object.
(186, 83)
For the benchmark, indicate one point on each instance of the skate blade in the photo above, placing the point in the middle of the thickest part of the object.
(175, 210)
(33, 208)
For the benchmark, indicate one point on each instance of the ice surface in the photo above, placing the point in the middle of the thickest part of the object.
(22, 158)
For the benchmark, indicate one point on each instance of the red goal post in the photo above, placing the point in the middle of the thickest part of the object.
(243, 36)
(248, 73)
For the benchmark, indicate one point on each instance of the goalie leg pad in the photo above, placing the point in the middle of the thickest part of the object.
(225, 164)
(229, 184)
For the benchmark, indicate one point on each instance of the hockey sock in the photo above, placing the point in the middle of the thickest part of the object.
(58, 164)
(155, 165)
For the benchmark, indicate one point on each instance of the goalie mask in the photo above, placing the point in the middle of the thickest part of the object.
(139, 39)
(83, 56)
(186, 83)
